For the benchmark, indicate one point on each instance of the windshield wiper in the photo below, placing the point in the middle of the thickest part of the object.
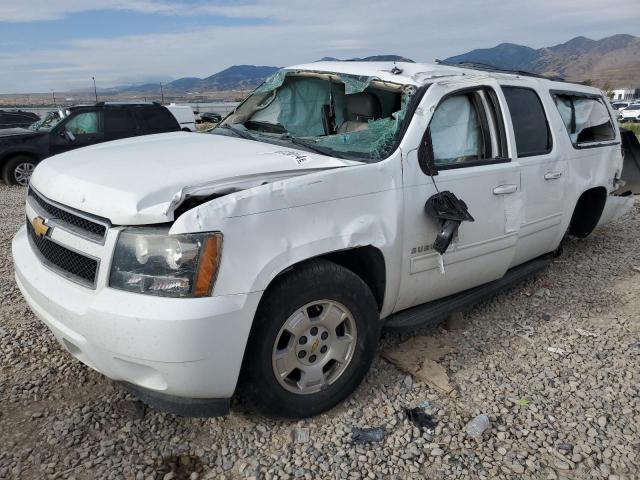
(237, 131)
(322, 150)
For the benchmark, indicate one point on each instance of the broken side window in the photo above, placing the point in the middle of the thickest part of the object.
(586, 118)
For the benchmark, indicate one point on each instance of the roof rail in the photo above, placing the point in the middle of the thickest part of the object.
(485, 67)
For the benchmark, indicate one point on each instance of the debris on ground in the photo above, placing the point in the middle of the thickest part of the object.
(366, 435)
(300, 435)
(585, 333)
(476, 427)
(420, 418)
(556, 350)
(419, 356)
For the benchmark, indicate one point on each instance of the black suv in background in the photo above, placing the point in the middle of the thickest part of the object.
(16, 118)
(22, 148)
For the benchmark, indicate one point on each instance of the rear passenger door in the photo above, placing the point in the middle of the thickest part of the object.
(543, 170)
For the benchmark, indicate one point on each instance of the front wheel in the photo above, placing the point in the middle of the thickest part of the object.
(18, 170)
(313, 340)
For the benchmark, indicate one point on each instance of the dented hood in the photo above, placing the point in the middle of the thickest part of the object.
(142, 180)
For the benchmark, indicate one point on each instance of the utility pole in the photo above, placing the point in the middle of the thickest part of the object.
(95, 91)
(162, 93)
(53, 94)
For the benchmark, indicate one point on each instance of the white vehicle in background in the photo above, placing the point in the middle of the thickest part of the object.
(619, 105)
(630, 113)
(184, 115)
(338, 198)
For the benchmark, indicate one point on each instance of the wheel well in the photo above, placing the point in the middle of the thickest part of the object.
(587, 212)
(10, 155)
(367, 262)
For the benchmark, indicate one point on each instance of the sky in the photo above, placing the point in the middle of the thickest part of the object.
(60, 44)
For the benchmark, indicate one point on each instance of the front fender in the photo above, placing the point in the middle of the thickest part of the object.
(269, 228)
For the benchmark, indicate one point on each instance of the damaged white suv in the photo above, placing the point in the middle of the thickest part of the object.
(336, 199)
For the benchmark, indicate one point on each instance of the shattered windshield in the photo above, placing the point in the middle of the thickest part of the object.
(344, 116)
(50, 120)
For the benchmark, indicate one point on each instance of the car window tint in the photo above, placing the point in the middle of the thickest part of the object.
(119, 122)
(456, 132)
(585, 118)
(84, 123)
(158, 119)
(529, 121)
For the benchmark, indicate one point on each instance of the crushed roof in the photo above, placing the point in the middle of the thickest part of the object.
(422, 73)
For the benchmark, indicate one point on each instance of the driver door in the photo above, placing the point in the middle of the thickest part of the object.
(81, 129)
(465, 142)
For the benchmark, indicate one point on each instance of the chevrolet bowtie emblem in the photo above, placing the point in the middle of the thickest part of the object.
(39, 227)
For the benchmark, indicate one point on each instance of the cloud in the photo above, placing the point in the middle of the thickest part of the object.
(296, 33)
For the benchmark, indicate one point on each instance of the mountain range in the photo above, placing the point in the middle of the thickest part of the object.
(237, 77)
(612, 61)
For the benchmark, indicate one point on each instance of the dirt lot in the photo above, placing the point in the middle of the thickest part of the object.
(570, 414)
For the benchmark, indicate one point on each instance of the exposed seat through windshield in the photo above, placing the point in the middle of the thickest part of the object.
(359, 109)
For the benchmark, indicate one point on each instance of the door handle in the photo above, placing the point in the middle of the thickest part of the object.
(505, 189)
(552, 175)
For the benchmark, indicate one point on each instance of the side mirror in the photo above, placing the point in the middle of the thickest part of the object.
(69, 136)
(425, 155)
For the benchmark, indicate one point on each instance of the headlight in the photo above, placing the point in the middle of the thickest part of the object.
(146, 261)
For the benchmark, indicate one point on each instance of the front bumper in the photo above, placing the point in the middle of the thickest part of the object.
(170, 347)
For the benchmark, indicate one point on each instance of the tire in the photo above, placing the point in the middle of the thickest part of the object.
(320, 287)
(17, 170)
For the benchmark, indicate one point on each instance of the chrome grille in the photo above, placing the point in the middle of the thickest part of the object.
(66, 218)
(71, 264)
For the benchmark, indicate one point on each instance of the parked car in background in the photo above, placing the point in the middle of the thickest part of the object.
(630, 113)
(184, 115)
(619, 105)
(22, 148)
(210, 117)
(338, 198)
(16, 118)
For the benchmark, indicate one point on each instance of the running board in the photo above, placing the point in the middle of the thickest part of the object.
(436, 311)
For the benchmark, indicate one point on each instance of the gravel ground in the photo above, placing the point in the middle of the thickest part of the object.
(572, 414)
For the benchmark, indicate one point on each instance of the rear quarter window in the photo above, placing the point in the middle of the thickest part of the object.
(119, 123)
(586, 118)
(157, 119)
(529, 120)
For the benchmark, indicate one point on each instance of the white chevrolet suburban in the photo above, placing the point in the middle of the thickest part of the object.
(338, 198)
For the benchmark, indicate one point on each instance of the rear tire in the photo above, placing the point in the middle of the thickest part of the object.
(17, 170)
(320, 323)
